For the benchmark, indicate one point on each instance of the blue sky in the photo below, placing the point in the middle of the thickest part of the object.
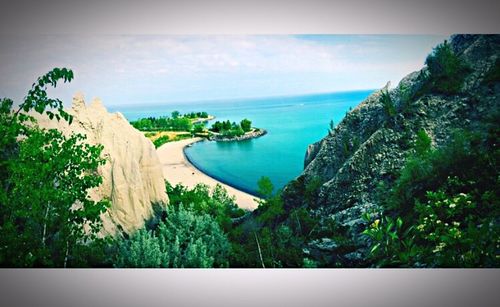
(126, 70)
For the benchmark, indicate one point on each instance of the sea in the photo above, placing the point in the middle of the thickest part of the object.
(292, 123)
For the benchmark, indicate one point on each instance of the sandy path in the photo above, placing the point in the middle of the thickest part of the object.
(177, 169)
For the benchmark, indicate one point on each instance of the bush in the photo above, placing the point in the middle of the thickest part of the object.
(216, 203)
(246, 125)
(198, 128)
(141, 250)
(161, 140)
(444, 207)
(493, 75)
(184, 239)
(388, 104)
(192, 240)
(446, 70)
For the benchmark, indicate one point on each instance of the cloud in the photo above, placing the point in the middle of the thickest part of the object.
(125, 69)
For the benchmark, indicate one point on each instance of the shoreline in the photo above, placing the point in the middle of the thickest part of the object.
(177, 168)
(211, 176)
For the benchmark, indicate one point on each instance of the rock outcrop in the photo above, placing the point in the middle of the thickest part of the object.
(255, 133)
(132, 176)
(370, 145)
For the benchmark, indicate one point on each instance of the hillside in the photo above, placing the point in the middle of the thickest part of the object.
(369, 148)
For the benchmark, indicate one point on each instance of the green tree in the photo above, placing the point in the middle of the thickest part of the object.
(198, 128)
(175, 114)
(46, 215)
(246, 125)
(265, 186)
(216, 202)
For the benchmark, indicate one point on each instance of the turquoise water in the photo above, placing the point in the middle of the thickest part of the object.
(292, 124)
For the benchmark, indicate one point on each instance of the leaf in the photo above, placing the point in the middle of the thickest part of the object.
(374, 248)
(399, 222)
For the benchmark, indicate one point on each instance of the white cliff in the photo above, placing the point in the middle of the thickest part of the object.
(132, 176)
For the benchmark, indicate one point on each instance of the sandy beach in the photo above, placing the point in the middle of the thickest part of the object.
(177, 169)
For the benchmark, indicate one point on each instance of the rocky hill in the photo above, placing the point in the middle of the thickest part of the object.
(370, 146)
(132, 175)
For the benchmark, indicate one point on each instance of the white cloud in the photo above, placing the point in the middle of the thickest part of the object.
(160, 68)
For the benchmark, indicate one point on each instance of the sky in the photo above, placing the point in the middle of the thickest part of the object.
(145, 69)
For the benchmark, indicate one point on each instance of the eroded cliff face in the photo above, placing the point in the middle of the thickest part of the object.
(132, 176)
(370, 146)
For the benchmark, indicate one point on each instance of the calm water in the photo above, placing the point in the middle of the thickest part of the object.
(292, 124)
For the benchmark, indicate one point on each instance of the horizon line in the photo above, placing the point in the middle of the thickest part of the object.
(235, 99)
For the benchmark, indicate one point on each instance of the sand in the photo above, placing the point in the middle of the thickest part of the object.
(177, 169)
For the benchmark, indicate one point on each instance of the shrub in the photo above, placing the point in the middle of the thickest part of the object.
(446, 70)
(444, 207)
(216, 202)
(493, 75)
(184, 239)
(192, 240)
(246, 125)
(161, 140)
(141, 250)
(198, 128)
(388, 104)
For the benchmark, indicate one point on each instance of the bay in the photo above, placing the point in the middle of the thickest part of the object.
(292, 123)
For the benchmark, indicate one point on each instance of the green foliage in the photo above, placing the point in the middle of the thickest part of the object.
(446, 70)
(406, 96)
(271, 237)
(161, 140)
(454, 233)
(446, 202)
(46, 215)
(423, 143)
(392, 246)
(164, 123)
(228, 129)
(38, 100)
(265, 186)
(192, 240)
(493, 75)
(246, 125)
(271, 209)
(175, 114)
(311, 191)
(216, 202)
(141, 250)
(194, 115)
(331, 127)
(309, 263)
(386, 100)
(184, 238)
(198, 128)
